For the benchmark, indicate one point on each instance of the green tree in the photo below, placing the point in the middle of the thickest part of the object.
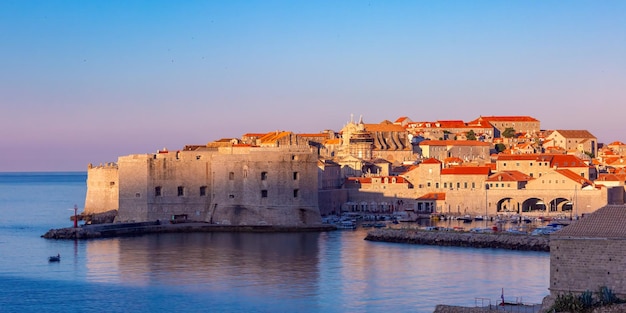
(470, 135)
(508, 132)
(500, 147)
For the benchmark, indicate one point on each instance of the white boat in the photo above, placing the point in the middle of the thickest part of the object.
(346, 225)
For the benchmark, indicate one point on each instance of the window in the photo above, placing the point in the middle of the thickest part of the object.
(295, 176)
(531, 174)
(203, 191)
(231, 175)
(437, 185)
(445, 185)
(231, 196)
(497, 185)
(263, 175)
(531, 163)
(465, 185)
(458, 185)
(157, 191)
(503, 164)
(181, 191)
(473, 185)
(428, 184)
(137, 195)
(295, 193)
(112, 184)
(263, 193)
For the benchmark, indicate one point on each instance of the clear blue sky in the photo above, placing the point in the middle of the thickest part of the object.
(87, 81)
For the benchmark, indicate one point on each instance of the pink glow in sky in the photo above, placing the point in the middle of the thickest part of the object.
(87, 81)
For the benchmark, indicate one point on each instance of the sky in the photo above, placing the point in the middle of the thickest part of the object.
(87, 81)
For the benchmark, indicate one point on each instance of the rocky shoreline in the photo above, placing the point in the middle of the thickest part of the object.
(136, 229)
(499, 240)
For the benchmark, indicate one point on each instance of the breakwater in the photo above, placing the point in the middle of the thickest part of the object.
(499, 240)
(135, 229)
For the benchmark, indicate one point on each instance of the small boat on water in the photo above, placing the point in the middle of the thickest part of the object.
(346, 225)
(465, 219)
(54, 258)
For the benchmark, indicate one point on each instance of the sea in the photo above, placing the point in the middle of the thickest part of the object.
(334, 271)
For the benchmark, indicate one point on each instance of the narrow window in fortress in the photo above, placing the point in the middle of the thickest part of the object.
(295, 175)
(203, 191)
(157, 191)
(295, 193)
(263, 175)
(465, 185)
(181, 191)
(245, 173)
(231, 176)
(263, 193)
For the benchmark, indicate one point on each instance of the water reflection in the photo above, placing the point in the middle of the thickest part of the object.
(315, 272)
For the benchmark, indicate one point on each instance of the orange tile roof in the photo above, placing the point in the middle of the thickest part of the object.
(384, 127)
(466, 170)
(605, 222)
(401, 119)
(433, 196)
(509, 176)
(314, 135)
(273, 136)
(616, 143)
(566, 160)
(335, 141)
(507, 119)
(575, 177)
(611, 177)
(431, 161)
(568, 133)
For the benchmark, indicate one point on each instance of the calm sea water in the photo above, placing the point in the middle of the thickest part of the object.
(224, 272)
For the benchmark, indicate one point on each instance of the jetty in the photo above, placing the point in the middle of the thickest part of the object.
(136, 229)
(501, 240)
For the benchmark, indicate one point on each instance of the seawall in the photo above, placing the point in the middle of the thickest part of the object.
(136, 229)
(461, 239)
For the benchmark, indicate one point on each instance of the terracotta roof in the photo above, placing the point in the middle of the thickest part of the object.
(273, 136)
(314, 135)
(566, 160)
(335, 141)
(466, 170)
(606, 222)
(491, 119)
(508, 119)
(573, 176)
(431, 161)
(568, 133)
(401, 119)
(433, 196)
(509, 176)
(453, 143)
(611, 177)
(616, 143)
(384, 127)
(453, 160)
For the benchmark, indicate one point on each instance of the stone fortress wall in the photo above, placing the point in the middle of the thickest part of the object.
(227, 185)
(102, 188)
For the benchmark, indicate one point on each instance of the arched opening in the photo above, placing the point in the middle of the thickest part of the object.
(533, 205)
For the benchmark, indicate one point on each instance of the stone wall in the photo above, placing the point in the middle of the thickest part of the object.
(102, 188)
(230, 185)
(583, 264)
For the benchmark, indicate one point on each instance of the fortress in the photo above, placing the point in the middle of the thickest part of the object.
(228, 185)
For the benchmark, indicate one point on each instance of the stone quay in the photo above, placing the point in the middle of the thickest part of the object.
(500, 240)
